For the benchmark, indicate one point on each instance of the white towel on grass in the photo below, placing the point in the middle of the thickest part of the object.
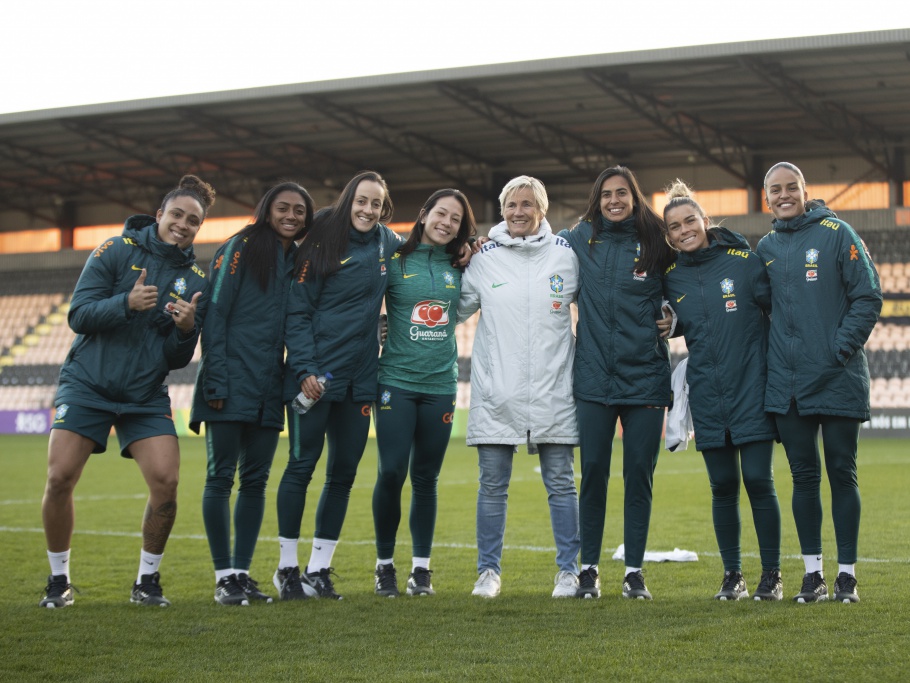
(675, 555)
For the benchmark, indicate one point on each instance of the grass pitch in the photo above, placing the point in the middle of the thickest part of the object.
(683, 635)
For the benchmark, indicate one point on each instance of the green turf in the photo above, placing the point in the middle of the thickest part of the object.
(683, 635)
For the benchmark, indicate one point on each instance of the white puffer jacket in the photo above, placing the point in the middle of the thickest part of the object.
(521, 370)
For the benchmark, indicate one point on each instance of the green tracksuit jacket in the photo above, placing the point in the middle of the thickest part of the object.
(243, 340)
(332, 322)
(120, 358)
(620, 358)
(721, 295)
(826, 297)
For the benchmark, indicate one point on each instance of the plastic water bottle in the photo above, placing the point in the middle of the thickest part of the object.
(301, 403)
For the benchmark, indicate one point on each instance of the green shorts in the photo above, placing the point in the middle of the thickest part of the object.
(95, 424)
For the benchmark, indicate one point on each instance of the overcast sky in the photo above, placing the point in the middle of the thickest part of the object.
(61, 53)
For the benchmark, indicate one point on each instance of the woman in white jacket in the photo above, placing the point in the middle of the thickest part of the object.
(523, 279)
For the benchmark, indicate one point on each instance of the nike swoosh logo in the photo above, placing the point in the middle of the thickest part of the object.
(681, 298)
(407, 276)
(135, 267)
(768, 263)
(500, 284)
(149, 562)
(317, 547)
(346, 260)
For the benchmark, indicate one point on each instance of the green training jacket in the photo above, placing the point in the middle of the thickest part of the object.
(827, 298)
(243, 340)
(721, 297)
(120, 358)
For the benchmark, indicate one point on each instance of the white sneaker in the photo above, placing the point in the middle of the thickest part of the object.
(488, 585)
(566, 585)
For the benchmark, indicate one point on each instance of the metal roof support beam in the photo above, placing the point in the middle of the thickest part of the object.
(431, 154)
(295, 158)
(83, 177)
(172, 164)
(584, 156)
(869, 141)
(710, 142)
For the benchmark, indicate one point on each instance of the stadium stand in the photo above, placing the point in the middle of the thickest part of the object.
(35, 337)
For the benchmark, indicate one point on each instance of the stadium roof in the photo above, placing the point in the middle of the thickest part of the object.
(731, 109)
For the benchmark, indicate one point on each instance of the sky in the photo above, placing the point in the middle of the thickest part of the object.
(61, 53)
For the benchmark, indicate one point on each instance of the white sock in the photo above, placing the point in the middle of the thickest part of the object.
(585, 567)
(423, 562)
(221, 573)
(813, 564)
(389, 561)
(148, 564)
(288, 557)
(60, 563)
(629, 570)
(846, 569)
(321, 555)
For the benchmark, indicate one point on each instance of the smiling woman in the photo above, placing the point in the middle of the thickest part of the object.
(333, 312)
(239, 388)
(136, 301)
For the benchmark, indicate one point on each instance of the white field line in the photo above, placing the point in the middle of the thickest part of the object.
(607, 552)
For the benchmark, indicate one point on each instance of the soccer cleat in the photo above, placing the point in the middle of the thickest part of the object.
(419, 582)
(770, 586)
(588, 583)
(487, 585)
(148, 592)
(287, 582)
(566, 585)
(58, 593)
(251, 588)
(633, 586)
(845, 588)
(321, 583)
(814, 589)
(386, 581)
(229, 592)
(733, 587)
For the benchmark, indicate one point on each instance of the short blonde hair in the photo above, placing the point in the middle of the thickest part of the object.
(521, 182)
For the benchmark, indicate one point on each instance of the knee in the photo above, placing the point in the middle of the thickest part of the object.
(60, 483)
(163, 485)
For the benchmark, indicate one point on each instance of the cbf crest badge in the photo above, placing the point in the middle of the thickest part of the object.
(62, 410)
(180, 286)
(811, 257)
(386, 397)
(449, 278)
(726, 286)
(557, 284)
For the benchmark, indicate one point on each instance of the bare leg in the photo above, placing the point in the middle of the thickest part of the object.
(67, 454)
(158, 458)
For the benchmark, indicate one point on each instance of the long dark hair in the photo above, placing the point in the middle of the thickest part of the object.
(467, 229)
(656, 254)
(327, 241)
(259, 252)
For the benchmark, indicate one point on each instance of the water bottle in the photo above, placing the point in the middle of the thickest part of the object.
(301, 403)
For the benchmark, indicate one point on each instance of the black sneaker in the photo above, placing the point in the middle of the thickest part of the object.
(770, 586)
(814, 589)
(148, 592)
(845, 588)
(229, 592)
(321, 582)
(251, 588)
(588, 583)
(733, 587)
(386, 581)
(633, 586)
(287, 582)
(419, 582)
(58, 593)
